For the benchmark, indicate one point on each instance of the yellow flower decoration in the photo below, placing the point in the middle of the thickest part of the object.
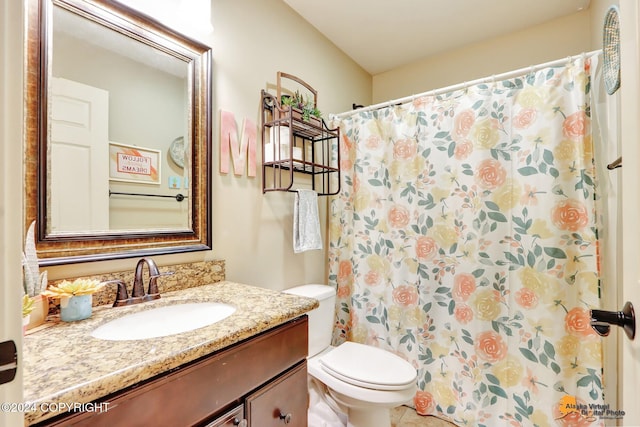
(77, 287)
(530, 97)
(508, 195)
(508, 371)
(540, 228)
(444, 235)
(484, 134)
(362, 200)
(487, 304)
(27, 305)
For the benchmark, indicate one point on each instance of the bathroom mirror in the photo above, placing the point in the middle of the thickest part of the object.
(118, 134)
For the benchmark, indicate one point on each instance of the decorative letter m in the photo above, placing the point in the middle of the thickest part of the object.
(239, 152)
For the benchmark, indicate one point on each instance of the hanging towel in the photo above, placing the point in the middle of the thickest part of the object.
(306, 222)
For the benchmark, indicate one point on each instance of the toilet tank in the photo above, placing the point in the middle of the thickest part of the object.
(320, 319)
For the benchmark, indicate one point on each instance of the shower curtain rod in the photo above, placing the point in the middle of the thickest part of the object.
(458, 86)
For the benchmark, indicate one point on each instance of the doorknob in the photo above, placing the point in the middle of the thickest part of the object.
(601, 320)
(8, 361)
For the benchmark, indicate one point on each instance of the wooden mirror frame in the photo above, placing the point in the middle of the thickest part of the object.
(86, 247)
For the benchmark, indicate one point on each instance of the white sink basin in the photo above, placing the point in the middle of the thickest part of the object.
(163, 321)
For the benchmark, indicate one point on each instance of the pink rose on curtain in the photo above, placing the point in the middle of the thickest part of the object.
(372, 278)
(463, 149)
(575, 126)
(345, 273)
(405, 295)
(490, 174)
(346, 147)
(578, 322)
(373, 142)
(464, 284)
(490, 347)
(570, 215)
(463, 122)
(404, 149)
(398, 216)
(526, 298)
(524, 118)
(463, 313)
(423, 400)
(426, 248)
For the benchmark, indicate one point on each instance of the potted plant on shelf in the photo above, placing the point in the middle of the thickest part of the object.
(75, 298)
(33, 282)
(304, 108)
(27, 308)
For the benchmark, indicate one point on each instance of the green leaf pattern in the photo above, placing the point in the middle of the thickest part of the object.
(465, 240)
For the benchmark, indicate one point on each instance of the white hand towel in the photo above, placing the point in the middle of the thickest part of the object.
(306, 222)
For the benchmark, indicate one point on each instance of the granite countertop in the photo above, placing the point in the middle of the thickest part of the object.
(64, 364)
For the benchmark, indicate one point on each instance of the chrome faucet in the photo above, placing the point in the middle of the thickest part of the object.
(137, 293)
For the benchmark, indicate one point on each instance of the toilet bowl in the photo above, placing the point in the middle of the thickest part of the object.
(364, 381)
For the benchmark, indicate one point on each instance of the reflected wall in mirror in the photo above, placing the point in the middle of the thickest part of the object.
(118, 134)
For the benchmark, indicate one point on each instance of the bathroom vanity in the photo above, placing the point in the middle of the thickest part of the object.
(248, 369)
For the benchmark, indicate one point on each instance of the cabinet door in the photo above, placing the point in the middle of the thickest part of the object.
(283, 401)
(233, 418)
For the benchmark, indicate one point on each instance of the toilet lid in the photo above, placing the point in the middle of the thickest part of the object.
(369, 367)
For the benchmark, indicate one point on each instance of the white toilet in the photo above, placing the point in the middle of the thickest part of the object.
(365, 381)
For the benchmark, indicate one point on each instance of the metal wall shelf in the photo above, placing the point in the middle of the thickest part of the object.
(291, 144)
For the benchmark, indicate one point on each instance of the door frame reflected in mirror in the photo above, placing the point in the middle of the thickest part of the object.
(66, 248)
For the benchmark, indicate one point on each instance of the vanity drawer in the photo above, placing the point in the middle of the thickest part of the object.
(284, 401)
(233, 418)
(198, 391)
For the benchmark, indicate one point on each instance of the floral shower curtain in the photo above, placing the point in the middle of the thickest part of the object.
(465, 240)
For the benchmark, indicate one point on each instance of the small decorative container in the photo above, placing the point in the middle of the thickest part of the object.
(77, 307)
(25, 322)
(40, 311)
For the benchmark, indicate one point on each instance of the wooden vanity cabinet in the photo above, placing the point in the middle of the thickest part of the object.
(259, 382)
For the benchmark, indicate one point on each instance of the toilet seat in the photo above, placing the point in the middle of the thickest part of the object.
(369, 367)
(353, 395)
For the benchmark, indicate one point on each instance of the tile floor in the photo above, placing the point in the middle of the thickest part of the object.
(403, 416)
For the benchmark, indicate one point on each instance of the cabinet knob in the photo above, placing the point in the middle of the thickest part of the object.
(240, 423)
(286, 418)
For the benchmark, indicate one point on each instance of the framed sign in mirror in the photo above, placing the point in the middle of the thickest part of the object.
(108, 91)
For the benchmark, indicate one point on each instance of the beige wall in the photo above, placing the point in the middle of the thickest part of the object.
(562, 37)
(252, 41)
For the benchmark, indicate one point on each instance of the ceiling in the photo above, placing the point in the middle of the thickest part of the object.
(381, 35)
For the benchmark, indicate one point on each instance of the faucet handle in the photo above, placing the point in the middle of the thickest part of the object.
(122, 296)
(164, 273)
(153, 292)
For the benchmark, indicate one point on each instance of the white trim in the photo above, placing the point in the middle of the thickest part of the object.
(12, 15)
(503, 76)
